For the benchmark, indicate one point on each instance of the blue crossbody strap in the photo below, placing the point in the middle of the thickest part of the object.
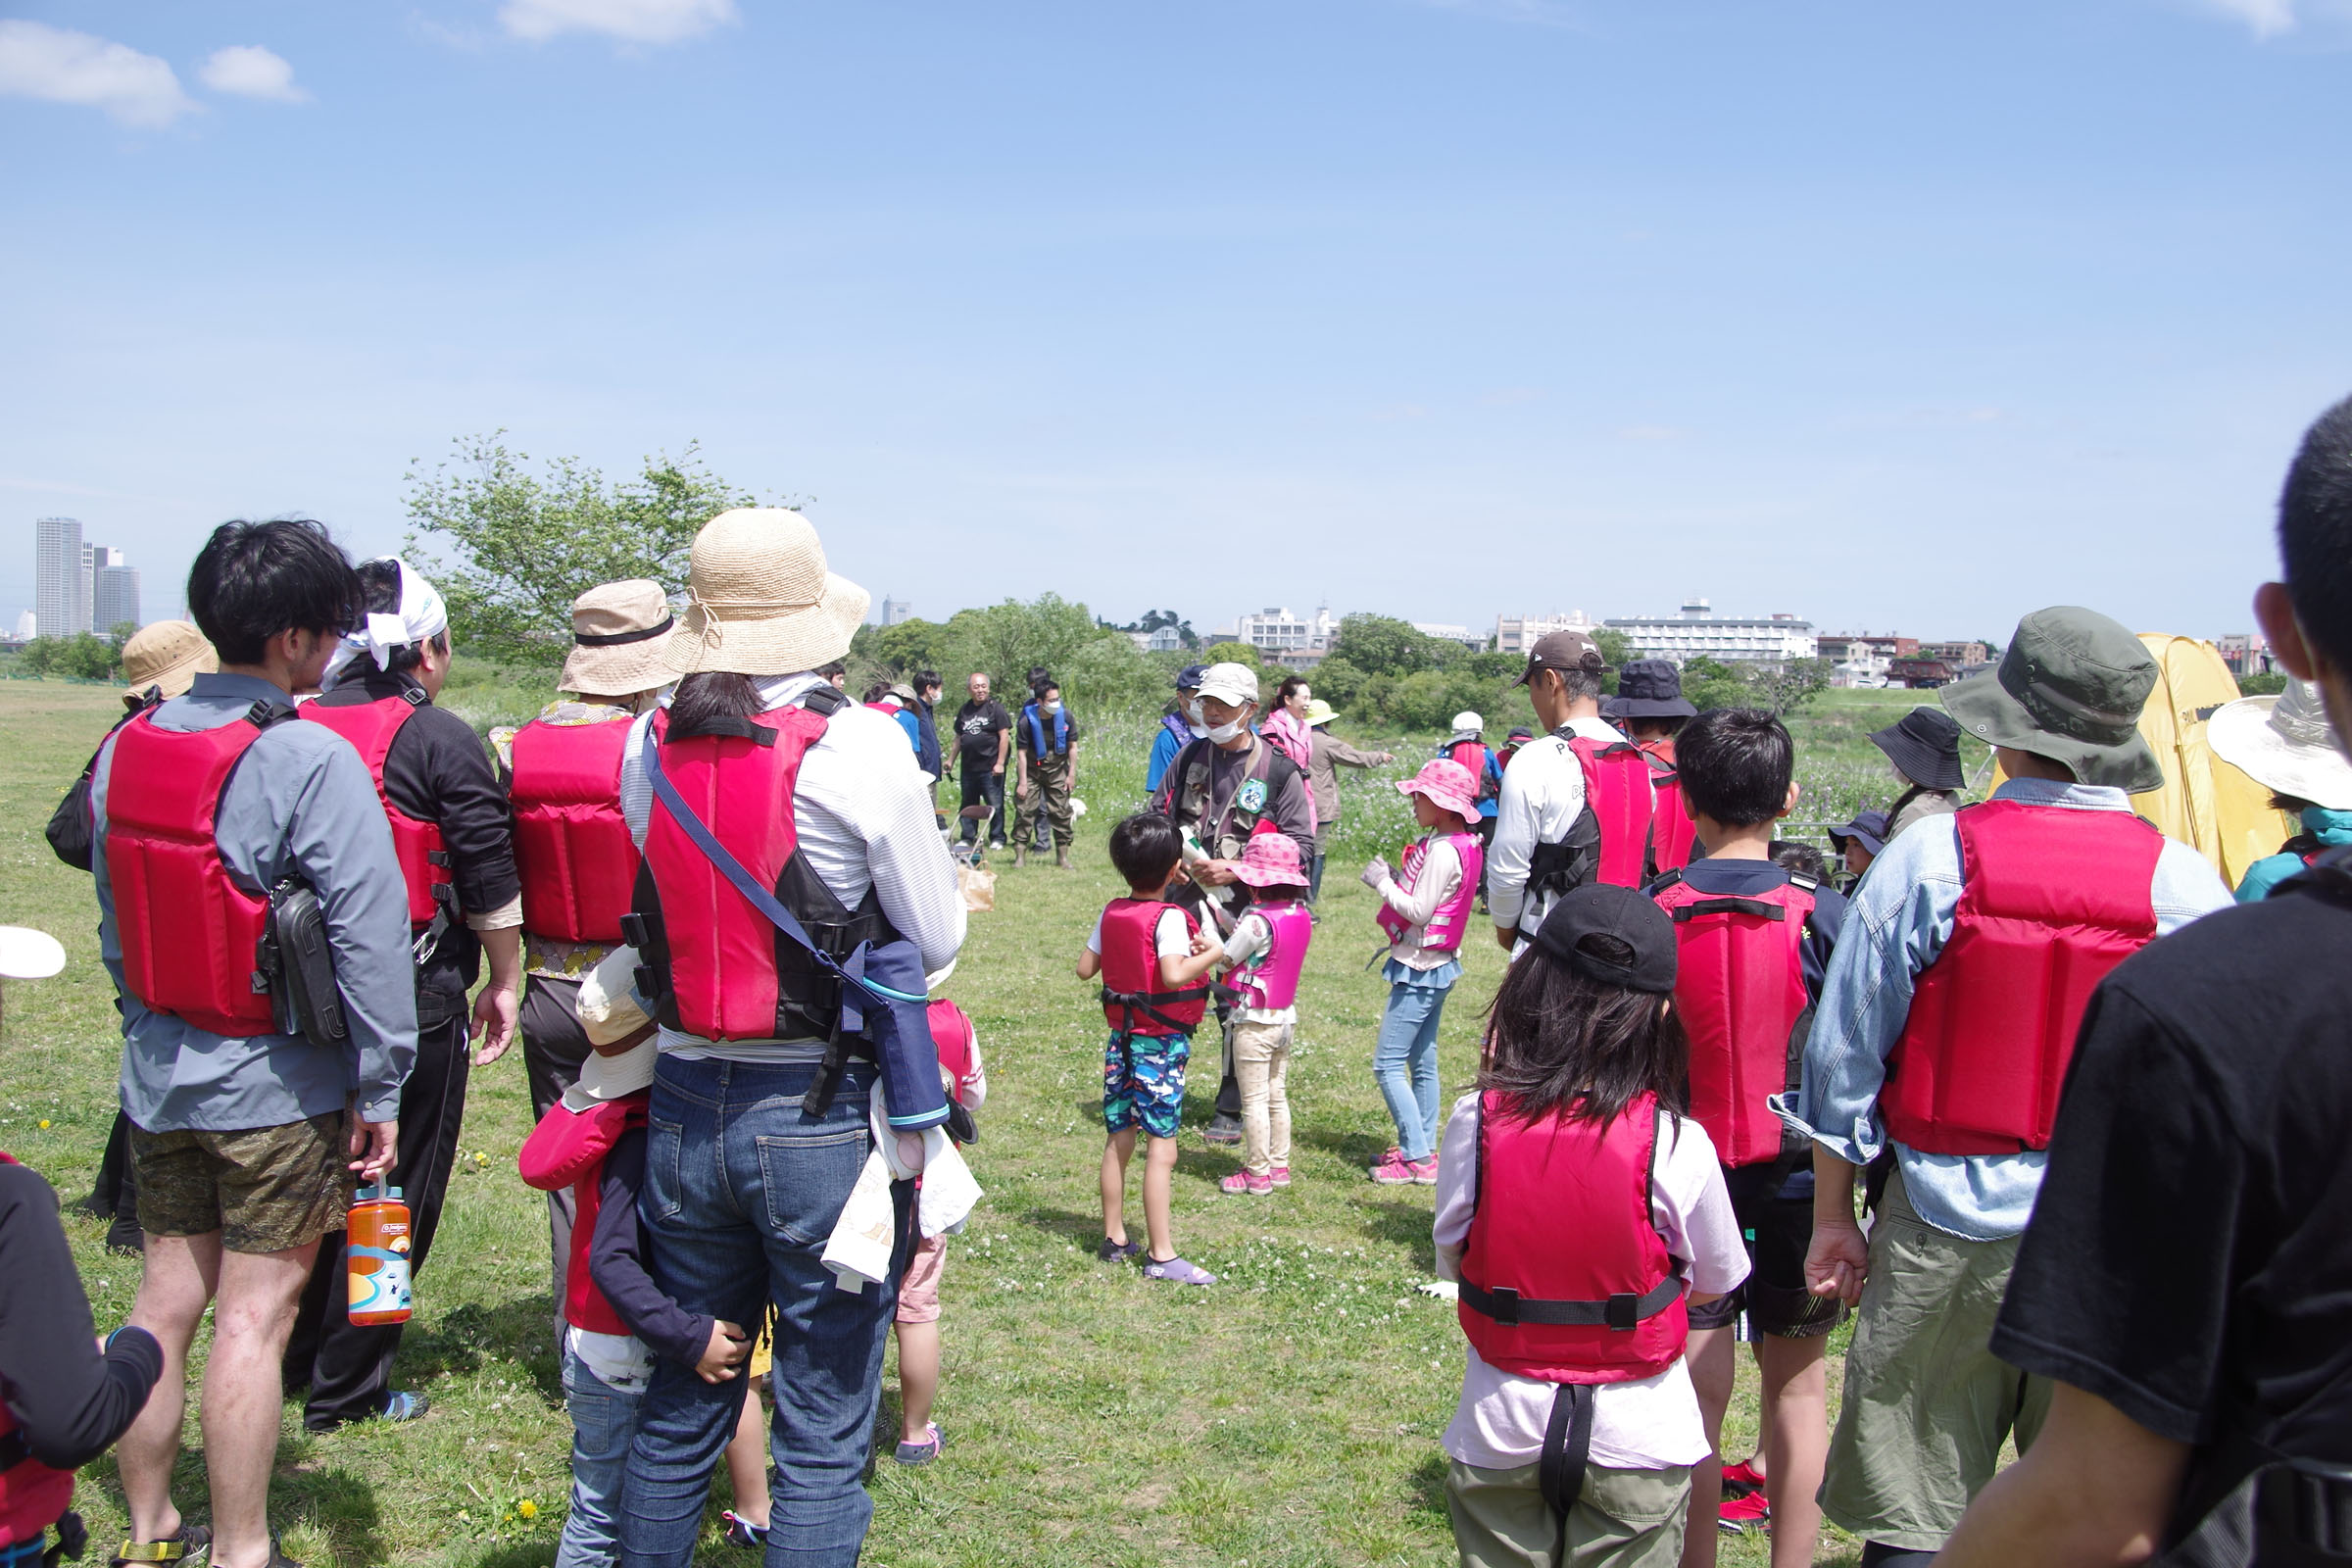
(759, 897)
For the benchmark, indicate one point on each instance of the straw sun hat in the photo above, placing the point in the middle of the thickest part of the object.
(617, 630)
(760, 601)
(167, 656)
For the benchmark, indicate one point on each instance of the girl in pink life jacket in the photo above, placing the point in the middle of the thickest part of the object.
(1268, 945)
(1583, 1214)
(1425, 909)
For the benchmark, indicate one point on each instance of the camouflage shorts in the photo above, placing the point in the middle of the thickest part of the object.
(263, 1188)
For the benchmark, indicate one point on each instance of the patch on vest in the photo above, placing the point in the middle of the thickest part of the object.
(1252, 797)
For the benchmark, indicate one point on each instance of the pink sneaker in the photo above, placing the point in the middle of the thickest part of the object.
(1240, 1181)
(1399, 1171)
(1280, 1175)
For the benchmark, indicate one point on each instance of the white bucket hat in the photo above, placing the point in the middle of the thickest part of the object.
(602, 1078)
(760, 601)
(1467, 723)
(2285, 744)
(617, 629)
(30, 955)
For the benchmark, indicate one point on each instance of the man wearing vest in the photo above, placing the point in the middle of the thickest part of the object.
(1221, 791)
(455, 839)
(1967, 958)
(244, 1134)
(1553, 828)
(571, 849)
(2187, 1279)
(1049, 767)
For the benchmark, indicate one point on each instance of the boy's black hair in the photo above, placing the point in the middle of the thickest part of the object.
(829, 671)
(1736, 765)
(928, 680)
(381, 581)
(2315, 533)
(1561, 1044)
(1043, 686)
(876, 692)
(1145, 849)
(253, 580)
(1794, 855)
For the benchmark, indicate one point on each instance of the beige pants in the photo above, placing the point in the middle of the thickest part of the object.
(1261, 1061)
(1622, 1519)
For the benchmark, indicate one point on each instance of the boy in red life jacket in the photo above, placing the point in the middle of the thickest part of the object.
(965, 1079)
(591, 1141)
(1268, 944)
(1153, 963)
(1424, 911)
(1584, 1215)
(1945, 1029)
(1754, 940)
(571, 844)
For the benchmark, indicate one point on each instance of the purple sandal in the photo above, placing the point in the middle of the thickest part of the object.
(1178, 1270)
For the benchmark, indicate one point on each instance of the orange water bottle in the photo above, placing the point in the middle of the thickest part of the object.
(375, 1255)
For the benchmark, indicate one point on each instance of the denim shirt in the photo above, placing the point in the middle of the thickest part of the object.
(1896, 922)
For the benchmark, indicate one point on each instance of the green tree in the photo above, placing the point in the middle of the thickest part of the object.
(524, 546)
(1790, 687)
(2259, 685)
(1712, 683)
(1615, 649)
(82, 657)
(1382, 645)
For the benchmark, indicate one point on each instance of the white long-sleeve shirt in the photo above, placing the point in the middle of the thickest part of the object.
(861, 815)
(1542, 793)
(1440, 876)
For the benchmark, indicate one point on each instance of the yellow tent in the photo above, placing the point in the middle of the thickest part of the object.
(2205, 803)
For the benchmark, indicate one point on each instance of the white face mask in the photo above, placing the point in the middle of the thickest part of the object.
(1052, 708)
(1191, 711)
(1225, 732)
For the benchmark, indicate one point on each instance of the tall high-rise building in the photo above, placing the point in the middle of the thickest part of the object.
(114, 600)
(61, 598)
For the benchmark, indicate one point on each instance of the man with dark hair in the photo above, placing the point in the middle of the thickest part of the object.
(926, 723)
(1754, 941)
(1553, 829)
(454, 838)
(241, 1128)
(2185, 1283)
(1048, 750)
(1944, 1030)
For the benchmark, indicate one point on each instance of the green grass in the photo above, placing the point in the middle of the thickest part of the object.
(1290, 1415)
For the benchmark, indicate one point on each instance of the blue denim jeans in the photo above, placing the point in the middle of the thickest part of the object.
(1405, 1058)
(604, 1424)
(741, 1190)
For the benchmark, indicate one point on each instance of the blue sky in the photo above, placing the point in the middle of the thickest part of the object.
(1887, 315)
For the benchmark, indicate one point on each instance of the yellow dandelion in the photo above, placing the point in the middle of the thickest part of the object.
(44, 1124)
(527, 1508)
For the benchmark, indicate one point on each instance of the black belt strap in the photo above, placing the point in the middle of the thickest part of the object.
(1687, 912)
(1567, 1444)
(1148, 1003)
(1623, 1311)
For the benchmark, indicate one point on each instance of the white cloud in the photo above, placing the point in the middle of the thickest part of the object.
(251, 71)
(635, 21)
(64, 67)
(2265, 16)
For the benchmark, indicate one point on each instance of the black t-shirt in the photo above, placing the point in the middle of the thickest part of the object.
(2189, 1259)
(977, 726)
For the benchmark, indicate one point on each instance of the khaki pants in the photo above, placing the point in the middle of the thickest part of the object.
(1261, 1059)
(1927, 1406)
(1622, 1519)
(1047, 792)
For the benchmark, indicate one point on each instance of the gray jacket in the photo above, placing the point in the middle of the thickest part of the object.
(1323, 774)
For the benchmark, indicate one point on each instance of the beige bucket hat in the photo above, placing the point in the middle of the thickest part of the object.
(760, 601)
(167, 656)
(617, 629)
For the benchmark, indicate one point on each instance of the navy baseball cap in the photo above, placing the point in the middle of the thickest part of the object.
(1189, 678)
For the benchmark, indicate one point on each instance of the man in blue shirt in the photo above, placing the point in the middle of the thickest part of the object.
(1964, 964)
(1179, 726)
(244, 1143)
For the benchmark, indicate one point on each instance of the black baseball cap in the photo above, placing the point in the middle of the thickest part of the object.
(1563, 650)
(1189, 678)
(1633, 917)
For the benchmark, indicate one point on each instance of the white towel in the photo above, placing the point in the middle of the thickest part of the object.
(859, 1250)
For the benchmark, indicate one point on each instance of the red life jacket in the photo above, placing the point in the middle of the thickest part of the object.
(1671, 833)
(571, 845)
(569, 1146)
(32, 1495)
(2051, 898)
(952, 1034)
(1565, 1276)
(1472, 756)
(187, 930)
(1618, 794)
(1740, 985)
(722, 970)
(424, 856)
(1134, 1002)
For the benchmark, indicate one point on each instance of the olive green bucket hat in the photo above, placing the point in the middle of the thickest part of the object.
(2070, 688)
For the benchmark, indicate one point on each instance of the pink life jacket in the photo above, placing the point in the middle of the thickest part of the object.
(1672, 832)
(1619, 795)
(2051, 898)
(568, 1148)
(1270, 981)
(571, 845)
(424, 856)
(1740, 985)
(1449, 922)
(188, 932)
(952, 1034)
(1565, 1276)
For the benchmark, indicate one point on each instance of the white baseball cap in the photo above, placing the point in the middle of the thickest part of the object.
(1230, 683)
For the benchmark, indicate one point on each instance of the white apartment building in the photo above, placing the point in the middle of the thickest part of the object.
(60, 595)
(1698, 632)
(1516, 634)
(1447, 632)
(1278, 632)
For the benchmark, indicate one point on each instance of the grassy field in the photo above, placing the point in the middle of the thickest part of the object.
(1289, 1416)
